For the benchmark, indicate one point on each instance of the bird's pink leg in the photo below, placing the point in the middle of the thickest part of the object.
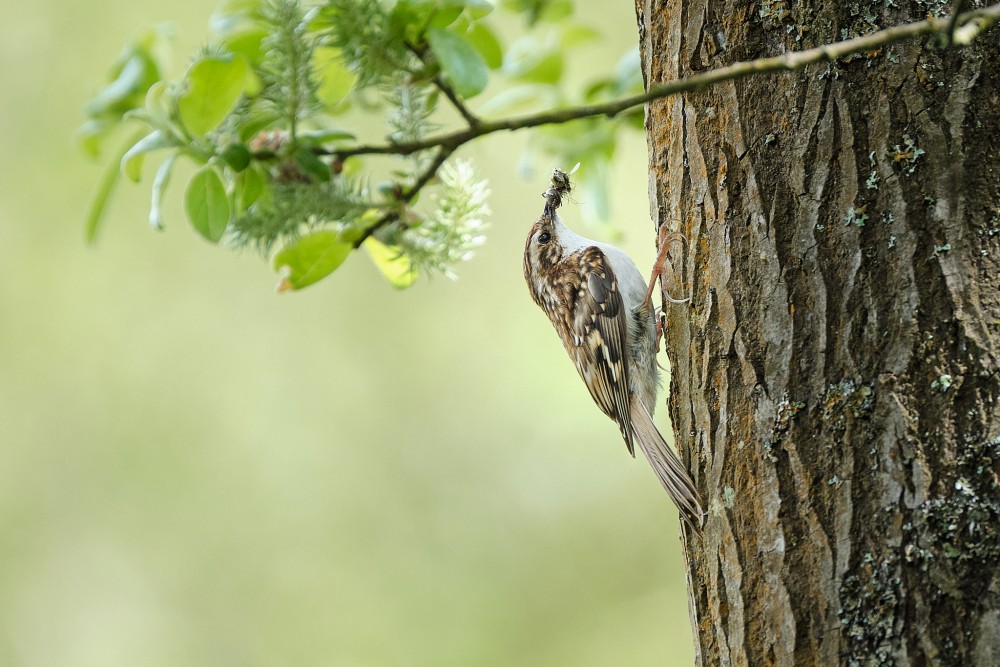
(658, 265)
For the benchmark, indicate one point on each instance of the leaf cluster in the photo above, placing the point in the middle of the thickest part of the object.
(256, 113)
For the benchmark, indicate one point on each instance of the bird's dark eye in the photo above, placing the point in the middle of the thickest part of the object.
(544, 237)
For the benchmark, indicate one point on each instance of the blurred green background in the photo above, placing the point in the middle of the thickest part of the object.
(196, 471)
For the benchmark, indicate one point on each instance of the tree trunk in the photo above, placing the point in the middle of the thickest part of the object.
(834, 380)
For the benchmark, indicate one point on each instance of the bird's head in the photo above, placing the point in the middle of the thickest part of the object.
(542, 250)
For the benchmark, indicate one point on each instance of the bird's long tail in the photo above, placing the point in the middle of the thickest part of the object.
(668, 467)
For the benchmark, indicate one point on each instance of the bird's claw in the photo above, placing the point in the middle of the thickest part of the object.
(666, 239)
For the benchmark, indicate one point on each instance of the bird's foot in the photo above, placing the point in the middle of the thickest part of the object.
(659, 266)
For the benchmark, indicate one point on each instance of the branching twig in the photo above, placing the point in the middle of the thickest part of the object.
(788, 62)
(444, 152)
(445, 88)
(457, 102)
(971, 24)
(956, 13)
(425, 177)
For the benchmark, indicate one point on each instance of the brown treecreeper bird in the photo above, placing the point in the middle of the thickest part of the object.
(601, 308)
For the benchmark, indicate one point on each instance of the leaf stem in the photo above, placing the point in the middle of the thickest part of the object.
(109, 179)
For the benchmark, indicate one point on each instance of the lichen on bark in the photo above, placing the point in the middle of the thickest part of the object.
(834, 381)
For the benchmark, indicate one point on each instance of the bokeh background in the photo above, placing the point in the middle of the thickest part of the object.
(197, 471)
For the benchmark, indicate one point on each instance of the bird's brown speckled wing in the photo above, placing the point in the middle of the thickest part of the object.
(599, 328)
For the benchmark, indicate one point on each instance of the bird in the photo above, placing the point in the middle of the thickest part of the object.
(602, 311)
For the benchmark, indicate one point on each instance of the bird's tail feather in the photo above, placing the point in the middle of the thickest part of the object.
(672, 473)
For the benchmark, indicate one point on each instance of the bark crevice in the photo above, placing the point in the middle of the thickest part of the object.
(835, 378)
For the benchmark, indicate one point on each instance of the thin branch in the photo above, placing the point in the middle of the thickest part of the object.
(957, 29)
(789, 62)
(445, 87)
(425, 177)
(457, 102)
(956, 12)
(444, 152)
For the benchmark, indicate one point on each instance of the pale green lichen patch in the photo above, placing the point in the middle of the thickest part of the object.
(845, 398)
(870, 600)
(940, 250)
(907, 154)
(936, 8)
(873, 178)
(962, 529)
(943, 383)
(953, 539)
(856, 216)
(790, 15)
(784, 414)
(954, 543)
(728, 497)
(862, 20)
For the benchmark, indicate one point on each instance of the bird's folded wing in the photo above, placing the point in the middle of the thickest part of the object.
(599, 330)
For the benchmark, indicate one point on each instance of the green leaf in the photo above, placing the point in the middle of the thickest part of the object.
(487, 44)
(478, 8)
(253, 86)
(133, 75)
(579, 140)
(159, 100)
(407, 19)
(250, 186)
(99, 201)
(541, 10)
(352, 232)
(555, 11)
(335, 79)
(576, 34)
(255, 121)
(214, 86)
(519, 98)
(392, 262)
(528, 60)
(131, 162)
(160, 183)
(309, 259)
(233, 15)
(548, 69)
(461, 63)
(102, 195)
(206, 204)
(311, 164)
(315, 137)
(635, 119)
(445, 16)
(247, 42)
(601, 89)
(92, 135)
(628, 73)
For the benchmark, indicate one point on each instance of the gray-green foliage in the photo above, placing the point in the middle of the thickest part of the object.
(257, 113)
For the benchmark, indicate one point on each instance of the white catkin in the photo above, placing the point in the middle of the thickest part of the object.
(452, 233)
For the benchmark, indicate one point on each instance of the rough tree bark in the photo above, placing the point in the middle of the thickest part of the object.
(835, 379)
